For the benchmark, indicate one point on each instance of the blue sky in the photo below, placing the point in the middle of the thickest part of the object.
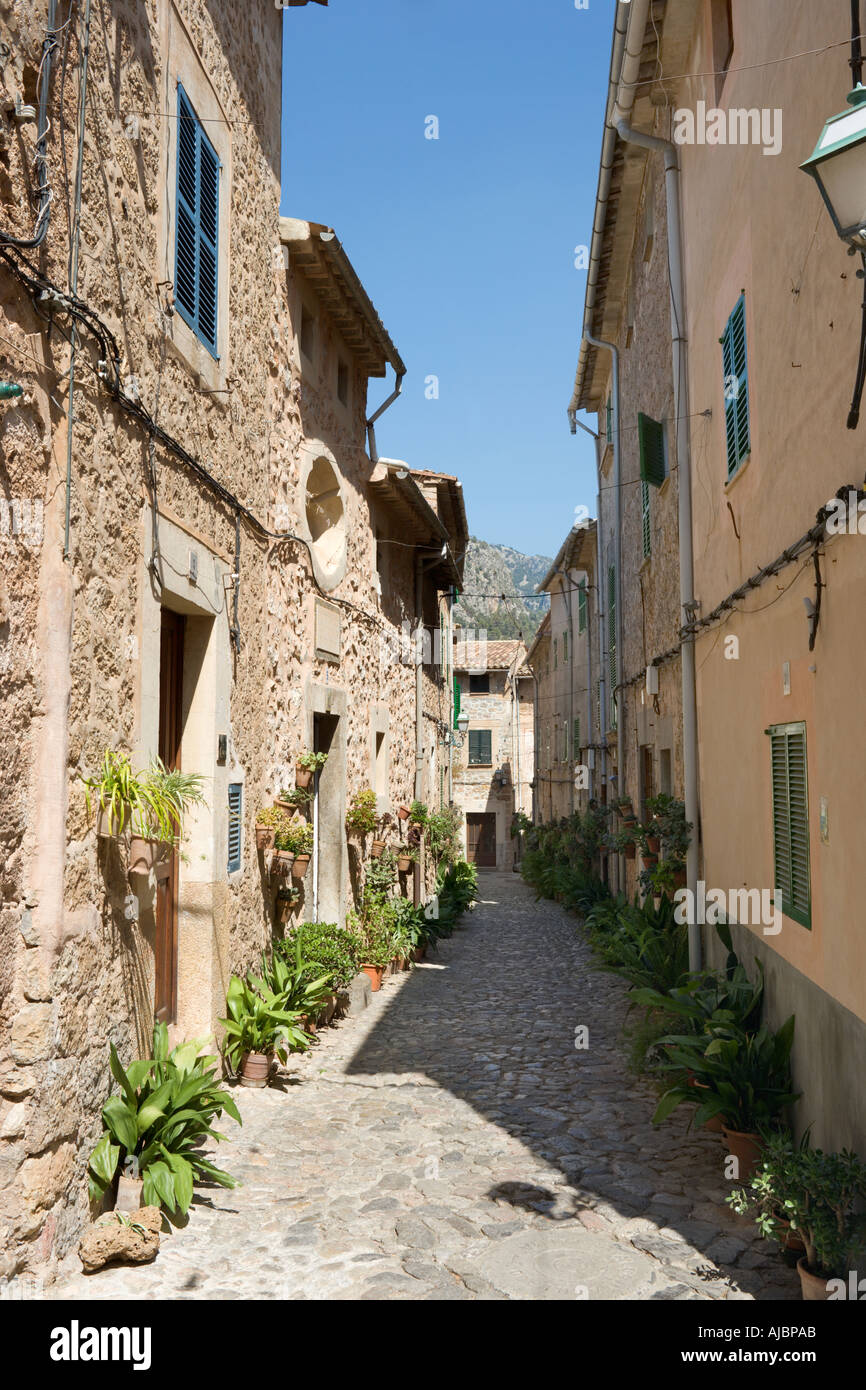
(466, 243)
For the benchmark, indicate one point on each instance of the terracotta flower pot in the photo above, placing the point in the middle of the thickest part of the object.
(283, 861)
(376, 849)
(746, 1149)
(255, 1069)
(303, 776)
(264, 837)
(374, 973)
(286, 806)
(680, 878)
(128, 1194)
(404, 863)
(649, 861)
(653, 843)
(814, 1288)
(145, 853)
(403, 812)
(630, 851)
(300, 866)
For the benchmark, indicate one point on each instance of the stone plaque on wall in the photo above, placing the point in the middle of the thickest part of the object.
(327, 631)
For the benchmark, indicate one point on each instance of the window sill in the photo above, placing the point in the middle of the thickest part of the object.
(738, 473)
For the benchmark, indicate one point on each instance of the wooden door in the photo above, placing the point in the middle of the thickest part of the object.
(170, 731)
(481, 838)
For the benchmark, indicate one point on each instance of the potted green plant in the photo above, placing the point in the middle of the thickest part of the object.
(745, 1078)
(284, 854)
(362, 815)
(155, 1126)
(117, 791)
(326, 949)
(300, 837)
(259, 1026)
(166, 795)
(286, 901)
(307, 765)
(293, 798)
(818, 1197)
(418, 814)
(269, 821)
(406, 857)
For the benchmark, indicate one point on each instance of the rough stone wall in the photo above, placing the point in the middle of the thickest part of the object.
(649, 587)
(75, 971)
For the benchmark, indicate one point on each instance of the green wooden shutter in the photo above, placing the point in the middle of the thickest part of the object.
(197, 230)
(456, 701)
(565, 646)
(791, 820)
(646, 529)
(480, 747)
(651, 439)
(581, 606)
(736, 386)
(575, 740)
(611, 640)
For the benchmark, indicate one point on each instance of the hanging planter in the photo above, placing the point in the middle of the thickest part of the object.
(300, 866)
(146, 853)
(264, 836)
(377, 848)
(403, 812)
(282, 861)
(306, 767)
(653, 844)
(303, 776)
(404, 863)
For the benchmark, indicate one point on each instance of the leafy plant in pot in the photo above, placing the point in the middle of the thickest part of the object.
(818, 1197)
(270, 821)
(406, 857)
(155, 1127)
(362, 815)
(117, 792)
(307, 765)
(167, 794)
(745, 1079)
(258, 1027)
(299, 840)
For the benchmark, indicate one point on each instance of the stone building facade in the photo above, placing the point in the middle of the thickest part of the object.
(228, 590)
(563, 658)
(495, 764)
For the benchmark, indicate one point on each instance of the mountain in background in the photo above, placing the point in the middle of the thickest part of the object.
(492, 571)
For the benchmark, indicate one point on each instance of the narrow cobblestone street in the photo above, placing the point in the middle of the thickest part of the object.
(451, 1143)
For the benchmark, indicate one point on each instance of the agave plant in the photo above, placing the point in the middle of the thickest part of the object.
(159, 1121)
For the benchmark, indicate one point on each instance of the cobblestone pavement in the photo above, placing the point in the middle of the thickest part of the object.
(450, 1142)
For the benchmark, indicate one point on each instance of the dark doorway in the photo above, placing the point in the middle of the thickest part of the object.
(327, 823)
(170, 730)
(481, 838)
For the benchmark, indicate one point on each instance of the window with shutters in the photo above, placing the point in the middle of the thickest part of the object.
(236, 792)
(480, 747)
(480, 684)
(575, 740)
(611, 641)
(736, 385)
(581, 606)
(197, 231)
(653, 454)
(791, 820)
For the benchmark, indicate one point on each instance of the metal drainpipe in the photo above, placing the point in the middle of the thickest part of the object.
(371, 433)
(73, 282)
(684, 494)
(617, 560)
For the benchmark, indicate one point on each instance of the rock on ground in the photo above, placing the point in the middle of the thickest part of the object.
(134, 1240)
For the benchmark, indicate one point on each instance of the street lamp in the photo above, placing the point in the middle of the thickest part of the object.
(838, 166)
(463, 724)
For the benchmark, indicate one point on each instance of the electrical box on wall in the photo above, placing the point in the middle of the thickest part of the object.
(652, 680)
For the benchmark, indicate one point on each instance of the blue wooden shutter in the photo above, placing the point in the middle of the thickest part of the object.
(736, 387)
(791, 820)
(197, 233)
(235, 822)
